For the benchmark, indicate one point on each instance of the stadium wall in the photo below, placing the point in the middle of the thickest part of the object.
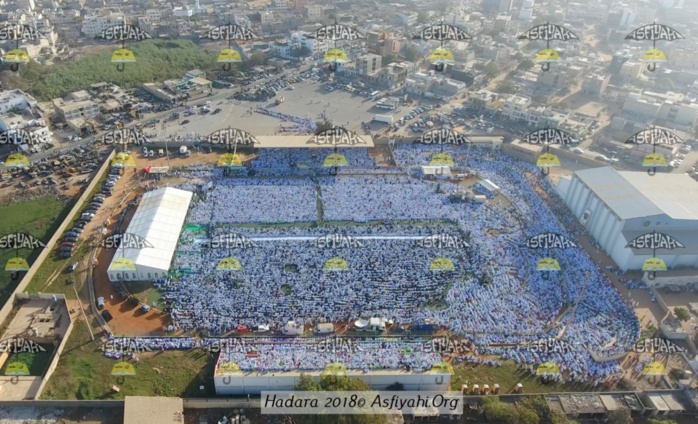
(254, 383)
(7, 308)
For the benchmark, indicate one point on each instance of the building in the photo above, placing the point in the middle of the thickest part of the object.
(313, 11)
(77, 113)
(158, 220)
(670, 109)
(94, 24)
(35, 126)
(497, 6)
(618, 206)
(16, 99)
(368, 64)
(595, 84)
(408, 19)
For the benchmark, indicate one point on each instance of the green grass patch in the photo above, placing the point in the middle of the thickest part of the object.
(37, 362)
(40, 218)
(286, 289)
(84, 372)
(507, 376)
(157, 60)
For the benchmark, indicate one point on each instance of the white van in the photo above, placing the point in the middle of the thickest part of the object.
(324, 328)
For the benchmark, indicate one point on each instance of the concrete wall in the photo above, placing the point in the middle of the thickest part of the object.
(7, 308)
(54, 361)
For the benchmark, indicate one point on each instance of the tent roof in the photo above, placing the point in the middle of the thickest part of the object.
(159, 220)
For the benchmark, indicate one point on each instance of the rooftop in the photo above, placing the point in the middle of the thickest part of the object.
(636, 194)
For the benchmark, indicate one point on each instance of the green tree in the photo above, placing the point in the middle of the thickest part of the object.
(336, 383)
(506, 87)
(621, 416)
(411, 53)
(498, 411)
(525, 64)
(491, 70)
(323, 126)
(302, 52)
(682, 314)
(656, 421)
(527, 416)
(422, 17)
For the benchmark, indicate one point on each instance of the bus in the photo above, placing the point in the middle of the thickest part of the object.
(375, 94)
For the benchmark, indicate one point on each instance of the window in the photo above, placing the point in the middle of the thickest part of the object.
(134, 276)
(149, 276)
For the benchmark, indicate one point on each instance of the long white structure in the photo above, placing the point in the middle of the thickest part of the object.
(618, 206)
(158, 220)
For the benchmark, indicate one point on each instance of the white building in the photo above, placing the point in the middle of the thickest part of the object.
(408, 19)
(159, 220)
(36, 127)
(314, 11)
(670, 108)
(94, 24)
(618, 206)
(10, 99)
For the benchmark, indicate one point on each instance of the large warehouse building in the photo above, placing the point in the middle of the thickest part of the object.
(618, 206)
(158, 220)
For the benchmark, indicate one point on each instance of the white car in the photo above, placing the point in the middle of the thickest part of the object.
(578, 150)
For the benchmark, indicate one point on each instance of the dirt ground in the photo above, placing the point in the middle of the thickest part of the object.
(127, 319)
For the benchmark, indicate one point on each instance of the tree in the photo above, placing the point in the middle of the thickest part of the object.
(621, 416)
(411, 53)
(491, 70)
(682, 314)
(527, 416)
(506, 87)
(525, 65)
(336, 383)
(656, 421)
(498, 411)
(422, 17)
(302, 52)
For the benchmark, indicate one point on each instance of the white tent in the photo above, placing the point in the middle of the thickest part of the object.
(159, 220)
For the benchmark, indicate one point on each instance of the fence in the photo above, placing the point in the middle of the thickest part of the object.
(7, 308)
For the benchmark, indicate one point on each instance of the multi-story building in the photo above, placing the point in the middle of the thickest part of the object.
(481, 99)
(368, 64)
(591, 13)
(35, 125)
(631, 70)
(497, 6)
(94, 24)
(502, 23)
(408, 19)
(313, 11)
(668, 108)
(69, 110)
(282, 4)
(595, 84)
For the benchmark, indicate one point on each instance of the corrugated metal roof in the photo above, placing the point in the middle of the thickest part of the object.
(153, 410)
(159, 220)
(636, 194)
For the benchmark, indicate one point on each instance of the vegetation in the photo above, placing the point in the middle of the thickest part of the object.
(656, 421)
(333, 383)
(682, 314)
(531, 410)
(525, 64)
(411, 53)
(491, 70)
(84, 372)
(621, 416)
(39, 218)
(506, 87)
(157, 60)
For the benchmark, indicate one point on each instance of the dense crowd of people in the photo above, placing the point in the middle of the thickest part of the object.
(493, 295)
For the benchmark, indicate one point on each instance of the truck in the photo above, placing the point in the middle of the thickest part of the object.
(388, 119)
(280, 100)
